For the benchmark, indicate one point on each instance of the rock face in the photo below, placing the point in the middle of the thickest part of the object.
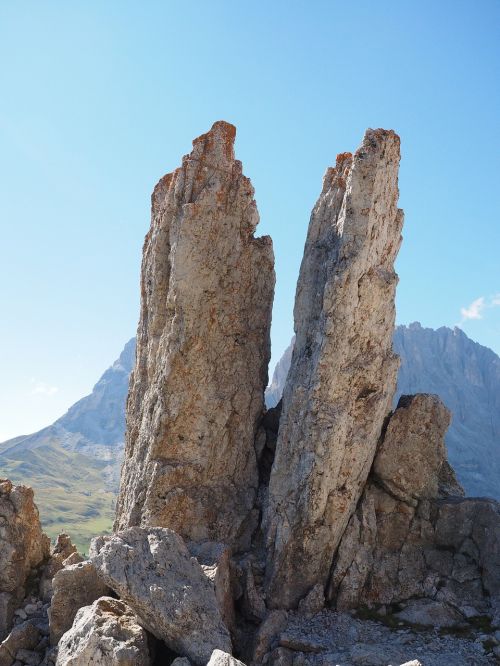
(413, 537)
(74, 586)
(23, 547)
(343, 372)
(203, 347)
(153, 572)
(104, 634)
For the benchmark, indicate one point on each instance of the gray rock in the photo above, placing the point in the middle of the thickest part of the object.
(29, 657)
(24, 636)
(343, 372)
(220, 658)
(153, 572)
(197, 390)
(215, 560)
(104, 634)
(430, 613)
(408, 538)
(74, 586)
(412, 453)
(273, 624)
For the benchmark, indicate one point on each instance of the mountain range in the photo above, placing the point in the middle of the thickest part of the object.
(74, 464)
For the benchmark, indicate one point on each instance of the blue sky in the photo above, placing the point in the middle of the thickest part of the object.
(99, 99)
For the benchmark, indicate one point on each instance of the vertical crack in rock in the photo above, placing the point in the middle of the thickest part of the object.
(343, 373)
(203, 348)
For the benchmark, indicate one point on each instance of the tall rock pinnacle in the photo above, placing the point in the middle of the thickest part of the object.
(203, 347)
(343, 372)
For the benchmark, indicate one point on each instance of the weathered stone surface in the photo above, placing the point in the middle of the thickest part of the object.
(220, 658)
(104, 634)
(215, 560)
(343, 372)
(152, 570)
(430, 613)
(409, 539)
(203, 346)
(23, 636)
(75, 586)
(23, 547)
(413, 451)
(62, 550)
(273, 624)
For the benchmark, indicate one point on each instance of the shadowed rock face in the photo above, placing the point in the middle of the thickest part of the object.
(203, 346)
(413, 536)
(343, 371)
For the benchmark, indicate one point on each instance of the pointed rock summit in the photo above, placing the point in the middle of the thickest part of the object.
(203, 346)
(343, 371)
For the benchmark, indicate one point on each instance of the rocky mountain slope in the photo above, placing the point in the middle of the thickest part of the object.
(466, 376)
(74, 464)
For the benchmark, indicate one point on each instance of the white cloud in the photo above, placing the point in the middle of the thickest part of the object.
(474, 310)
(41, 388)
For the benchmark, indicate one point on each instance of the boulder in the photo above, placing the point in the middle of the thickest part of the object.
(104, 634)
(23, 547)
(75, 586)
(343, 371)
(203, 346)
(430, 613)
(153, 572)
(24, 636)
(412, 453)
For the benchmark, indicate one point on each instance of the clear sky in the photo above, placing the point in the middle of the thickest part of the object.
(100, 99)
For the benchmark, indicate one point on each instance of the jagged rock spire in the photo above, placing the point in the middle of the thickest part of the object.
(343, 371)
(203, 346)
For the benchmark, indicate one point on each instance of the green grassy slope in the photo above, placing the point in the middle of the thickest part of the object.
(69, 490)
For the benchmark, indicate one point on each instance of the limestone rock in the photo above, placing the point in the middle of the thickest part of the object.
(153, 572)
(343, 372)
(430, 613)
(220, 658)
(408, 539)
(273, 624)
(23, 547)
(62, 550)
(410, 457)
(75, 586)
(104, 634)
(203, 345)
(215, 560)
(24, 636)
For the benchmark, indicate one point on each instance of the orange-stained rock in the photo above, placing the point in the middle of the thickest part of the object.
(203, 347)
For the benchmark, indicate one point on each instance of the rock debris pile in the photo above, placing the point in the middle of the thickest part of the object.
(327, 530)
